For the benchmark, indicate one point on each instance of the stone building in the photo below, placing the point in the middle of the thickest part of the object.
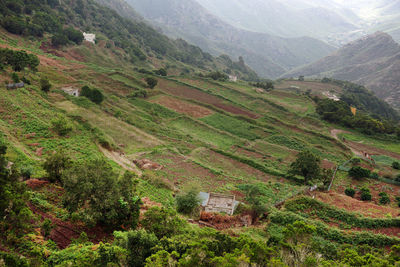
(220, 203)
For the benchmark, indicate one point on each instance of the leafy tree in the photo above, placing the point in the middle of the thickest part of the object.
(14, 25)
(188, 202)
(307, 165)
(151, 82)
(365, 194)
(55, 164)
(217, 76)
(350, 192)
(396, 165)
(15, 77)
(94, 95)
(162, 222)
(254, 197)
(59, 39)
(61, 125)
(92, 190)
(301, 78)
(359, 172)
(74, 35)
(45, 84)
(139, 244)
(161, 72)
(384, 198)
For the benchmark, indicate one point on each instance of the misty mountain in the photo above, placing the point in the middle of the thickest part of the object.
(373, 61)
(269, 55)
(294, 18)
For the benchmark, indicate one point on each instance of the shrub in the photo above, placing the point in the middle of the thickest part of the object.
(47, 226)
(384, 198)
(398, 178)
(374, 175)
(94, 95)
(45, 84)
(151, 82)
(350, 192)
(359, 172)
(59, 39)
(161, 72)
(188, 202)
(138, 93)
(15, 77)
(365, 194)
(396, 165)
(61, 125)
(398, 201)
(26, 172)
(55, 164)
(162, 222)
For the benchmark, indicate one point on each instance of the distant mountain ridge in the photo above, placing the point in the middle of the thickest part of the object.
(373, 61)
(269, 55)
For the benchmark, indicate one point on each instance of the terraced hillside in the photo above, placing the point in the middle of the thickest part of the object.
(224, 137)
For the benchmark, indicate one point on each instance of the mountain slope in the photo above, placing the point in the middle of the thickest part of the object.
(286, 19)
(373, 61)
(268, 55)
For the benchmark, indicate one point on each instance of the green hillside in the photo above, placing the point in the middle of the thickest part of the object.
(111, 177)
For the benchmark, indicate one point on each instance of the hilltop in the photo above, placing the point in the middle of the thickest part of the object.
(373, 61)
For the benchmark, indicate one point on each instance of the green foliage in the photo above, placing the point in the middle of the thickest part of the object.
(15, 77)
(45, 84)
(307, 165)
(254, 196)
(9, 259)
(74, 35)
(138, 93)
(162, 222)
(350, 192)
(188, 202)
(358, 172)
(384, 198)
(396, 165)
(55, 164)
(217, 76)
(93, 190)
(267, 85)
(151, 82)
(94, 95)
(365, 194)
(47, 226)
(161, 72)
(59, 39)
(61, 125)
(139, 245)
(18, 60)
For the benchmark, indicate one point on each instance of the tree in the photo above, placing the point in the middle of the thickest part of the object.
(358, 172)
(396, 165)
(15, 77)
(162, 222)
(138, 244)
(161, 72)
(307, 165)
(74, 35)
(59, 39)
(94, 191)
(254, 197)
(151, 82)
(301, 78)
(61, 125)
(350, 192)
(365, 194)
(55, 165)
(384, 198)
(94, 95)
(188, 202)
(45, 84)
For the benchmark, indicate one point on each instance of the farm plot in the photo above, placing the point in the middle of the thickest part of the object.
(204, 133)
(197, 95)
(182, 107)
(235, 126)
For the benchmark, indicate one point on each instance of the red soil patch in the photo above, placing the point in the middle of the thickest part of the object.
(190, 93)
(183, 107)
(367, 209)
(36, 183)
(326, 164)
(221, 221)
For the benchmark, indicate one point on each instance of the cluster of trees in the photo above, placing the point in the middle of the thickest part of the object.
(18, 60)
(339, 112)
(266, 85)
(93, 94)
(94, 192)
(217, 76)
(360, 97)
(151, 82)
(66, 36)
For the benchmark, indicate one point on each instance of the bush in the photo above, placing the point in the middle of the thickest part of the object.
(55, 165)
(374, 175)
(162, 222)
(94, 95)
(151, 82)
(384, 198)
(161, 72)
(47, 226)
(61, 125)
(59, 39)
(396, 165)
(138, 93)
(45, 84)
(26, 172)
(359, 172)
(398, 178)
(366, 194)
(350, 192)
(187, 203)
(15, 77)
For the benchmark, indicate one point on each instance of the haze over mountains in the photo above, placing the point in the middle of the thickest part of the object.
(269, 55)
(373, 61)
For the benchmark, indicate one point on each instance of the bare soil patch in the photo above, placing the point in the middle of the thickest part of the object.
(183, 107)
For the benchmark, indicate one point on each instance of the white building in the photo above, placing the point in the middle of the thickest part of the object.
(90, 37)
(71, 91)
(233, 78)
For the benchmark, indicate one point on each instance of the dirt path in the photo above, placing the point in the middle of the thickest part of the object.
(335, 132)
(121, 160)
